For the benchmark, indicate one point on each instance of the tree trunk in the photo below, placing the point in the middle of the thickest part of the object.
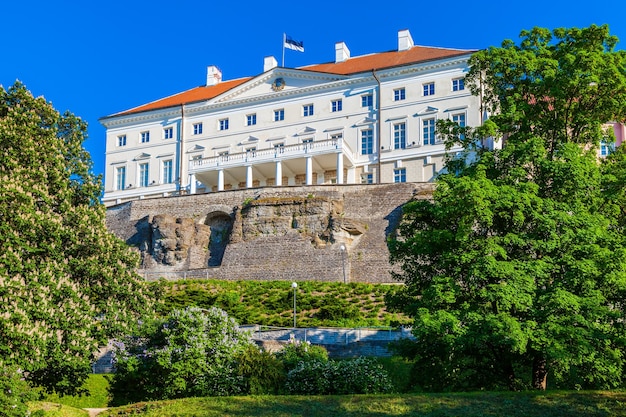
(510, 375)
(540, 372)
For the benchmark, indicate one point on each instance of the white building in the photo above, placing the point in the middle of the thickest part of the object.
(363, 119)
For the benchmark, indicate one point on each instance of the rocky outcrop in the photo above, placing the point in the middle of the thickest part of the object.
(325, 233)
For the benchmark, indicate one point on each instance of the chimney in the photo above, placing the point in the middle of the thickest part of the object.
(213, 75)
(269, 62)
(342, 53)
(405, 41)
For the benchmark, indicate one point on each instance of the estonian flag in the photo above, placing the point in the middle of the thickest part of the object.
(293, 44)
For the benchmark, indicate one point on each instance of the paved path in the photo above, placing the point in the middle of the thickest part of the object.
(93, 412)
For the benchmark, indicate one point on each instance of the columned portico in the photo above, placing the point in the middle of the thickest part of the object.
(310, 162)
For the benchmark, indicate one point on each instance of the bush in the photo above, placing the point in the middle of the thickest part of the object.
(261, 371)
(296, 351)
(353, 376)
(191, 353)
(14, 392)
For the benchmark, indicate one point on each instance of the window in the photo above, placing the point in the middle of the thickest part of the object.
(145, 137)
(399, 136)
(279, 147)
(251, 119)
(429, 131)
(399, 175)
(223, 155)
(399, 94)
(279, 115)
(336, 136)
(120, 178)
(144, 174)
(307, 110)
(367, 142)
(458, 84)
(167, 172)
(121, 140)
(307, 141)
(168, 133)
(460, 120)
(224, 124)
(197, 128)
(367, 100)
(606, 148)
(336, 105)
(429, 89)
(367, 178)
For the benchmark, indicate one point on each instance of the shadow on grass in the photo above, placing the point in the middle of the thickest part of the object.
(550, 404)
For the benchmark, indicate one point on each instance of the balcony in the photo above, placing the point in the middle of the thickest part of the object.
(279, 153)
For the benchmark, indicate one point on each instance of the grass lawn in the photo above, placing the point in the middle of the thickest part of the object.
(96, 385)
(51, 409)
(519, 404)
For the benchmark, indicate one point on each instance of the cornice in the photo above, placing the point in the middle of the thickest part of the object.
(113, 121)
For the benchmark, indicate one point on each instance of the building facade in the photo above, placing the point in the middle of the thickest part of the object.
(364, 119)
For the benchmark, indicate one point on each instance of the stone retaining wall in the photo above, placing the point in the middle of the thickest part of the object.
(359, 216)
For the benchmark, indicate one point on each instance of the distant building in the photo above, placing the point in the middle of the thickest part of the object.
(363, 119)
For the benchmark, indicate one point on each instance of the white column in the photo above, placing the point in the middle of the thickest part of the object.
(340, 168)
(192, 183)
(279, 174)
(220, 180)
(309, 170)
(249, 176)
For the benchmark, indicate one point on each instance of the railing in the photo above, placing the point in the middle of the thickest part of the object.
(327, 336)
(270, 154)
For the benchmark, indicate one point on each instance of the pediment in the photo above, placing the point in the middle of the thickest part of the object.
(427, 110)
(279, 81)
(365, 122)
(142, 156)
(249, 141)
(307, 131)
(196, 148)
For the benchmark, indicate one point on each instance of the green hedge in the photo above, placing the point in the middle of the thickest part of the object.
(271, 302)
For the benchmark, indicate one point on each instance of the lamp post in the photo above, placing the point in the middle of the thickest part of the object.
(294, 286)
(343, 261)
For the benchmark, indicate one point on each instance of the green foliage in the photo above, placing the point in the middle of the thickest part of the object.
(296, 352)
(93, 394)
(517, 267)
(262, 372)
(14, 392)
(352, 376)
(66, 283)
(271, 303)
(191, 353)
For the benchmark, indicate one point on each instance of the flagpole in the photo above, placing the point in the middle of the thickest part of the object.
(284, 38)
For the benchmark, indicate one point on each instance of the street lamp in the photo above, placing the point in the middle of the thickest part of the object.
(343, 261)
(294, 286)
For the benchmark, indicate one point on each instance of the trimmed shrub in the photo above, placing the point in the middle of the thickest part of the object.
(261, 371)
(297, 351)
(353, 376)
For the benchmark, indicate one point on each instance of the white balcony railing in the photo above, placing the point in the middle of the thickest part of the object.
(299, 150)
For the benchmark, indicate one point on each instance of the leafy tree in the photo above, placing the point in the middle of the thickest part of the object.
(66, 283)
(192, 352)
(517, 267)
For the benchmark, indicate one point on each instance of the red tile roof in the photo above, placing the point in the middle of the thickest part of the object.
(353, 65)
(387, 60)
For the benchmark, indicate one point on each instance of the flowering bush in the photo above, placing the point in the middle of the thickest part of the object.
(14, 392)
(354, 376)
(191, 353)
(297, 351)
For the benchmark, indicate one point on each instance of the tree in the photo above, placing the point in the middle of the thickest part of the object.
(192, 352)
(66, 283)
(517, 267)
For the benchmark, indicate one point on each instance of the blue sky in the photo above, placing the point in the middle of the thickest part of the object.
(95, 58)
